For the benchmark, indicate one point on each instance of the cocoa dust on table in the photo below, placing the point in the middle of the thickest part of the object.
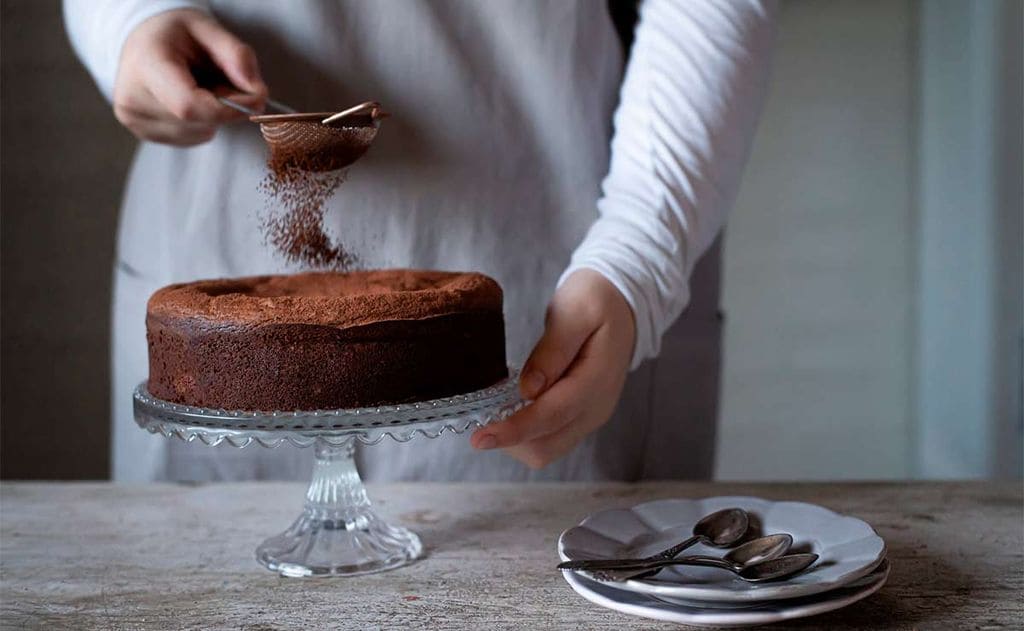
(296, 226)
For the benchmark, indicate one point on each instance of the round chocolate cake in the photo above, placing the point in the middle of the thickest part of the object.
(325, 340)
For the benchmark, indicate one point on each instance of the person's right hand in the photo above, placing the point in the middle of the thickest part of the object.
(155, 94)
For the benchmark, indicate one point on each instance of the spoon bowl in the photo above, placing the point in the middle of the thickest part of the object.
(724, 528)
(775, 569)
(759, 550)
(720, 529)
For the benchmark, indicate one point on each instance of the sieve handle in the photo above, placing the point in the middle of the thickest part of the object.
(251, 112)
(278, 105)
(237, 106)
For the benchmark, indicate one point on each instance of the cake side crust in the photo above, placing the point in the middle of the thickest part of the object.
(309, 367)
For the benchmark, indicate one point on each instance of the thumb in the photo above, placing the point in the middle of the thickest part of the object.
(565, 332)
(235, 58)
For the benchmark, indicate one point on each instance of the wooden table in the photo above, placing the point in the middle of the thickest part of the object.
(104, 556)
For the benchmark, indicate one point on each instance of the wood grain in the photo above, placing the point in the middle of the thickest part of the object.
(103, 556)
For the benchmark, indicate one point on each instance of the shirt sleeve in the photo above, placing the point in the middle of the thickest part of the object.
(98, 29)
(689, 104)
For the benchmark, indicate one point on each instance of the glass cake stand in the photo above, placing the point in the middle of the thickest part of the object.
(338, 532)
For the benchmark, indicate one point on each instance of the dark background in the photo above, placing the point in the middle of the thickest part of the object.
(57, 227)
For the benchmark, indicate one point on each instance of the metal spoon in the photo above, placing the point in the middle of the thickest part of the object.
(753, 552)
(771, 570)
(720, 529)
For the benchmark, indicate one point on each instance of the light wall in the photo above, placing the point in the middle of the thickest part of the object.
(872, 262)
(970, 267)
(818, 291)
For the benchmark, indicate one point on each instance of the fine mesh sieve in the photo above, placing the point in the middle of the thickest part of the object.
(306, 142)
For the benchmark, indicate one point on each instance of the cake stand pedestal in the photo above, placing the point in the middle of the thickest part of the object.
(338, 532)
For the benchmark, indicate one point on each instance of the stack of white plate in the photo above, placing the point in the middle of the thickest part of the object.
(851, 564)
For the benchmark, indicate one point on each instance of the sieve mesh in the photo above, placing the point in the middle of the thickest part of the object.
(302, 141)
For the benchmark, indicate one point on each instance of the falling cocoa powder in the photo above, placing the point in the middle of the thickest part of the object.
(298, 184)
(296, 226)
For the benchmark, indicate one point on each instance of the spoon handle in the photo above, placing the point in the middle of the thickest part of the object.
(625, 573)
(690, 560)
(775, 569)
(611, 564)
(676, 549)
(705, 561)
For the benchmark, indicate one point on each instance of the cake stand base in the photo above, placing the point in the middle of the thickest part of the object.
(338, 533)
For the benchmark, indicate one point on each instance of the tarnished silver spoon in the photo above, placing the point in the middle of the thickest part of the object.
(751, 553)
(775, 569)
(720, 529)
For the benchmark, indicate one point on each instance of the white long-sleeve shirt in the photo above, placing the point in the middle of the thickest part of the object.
(499, 156)
(689, 105)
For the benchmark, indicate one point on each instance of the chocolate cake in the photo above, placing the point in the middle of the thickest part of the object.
(325, 340)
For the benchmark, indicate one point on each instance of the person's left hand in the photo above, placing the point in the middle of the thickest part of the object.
(574, 375)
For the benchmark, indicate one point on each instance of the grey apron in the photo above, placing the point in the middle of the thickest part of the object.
(492, 162)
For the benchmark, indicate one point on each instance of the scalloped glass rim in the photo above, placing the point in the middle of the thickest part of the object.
(369, 425)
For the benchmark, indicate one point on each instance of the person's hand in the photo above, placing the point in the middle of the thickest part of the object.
(574, 375)
(156, 95)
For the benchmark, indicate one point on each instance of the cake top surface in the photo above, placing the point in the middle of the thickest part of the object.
(337, 299)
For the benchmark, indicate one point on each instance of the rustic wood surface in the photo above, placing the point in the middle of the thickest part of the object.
(103, 556)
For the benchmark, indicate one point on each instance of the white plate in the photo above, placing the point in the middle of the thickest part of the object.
(848, 548)
(738, 615)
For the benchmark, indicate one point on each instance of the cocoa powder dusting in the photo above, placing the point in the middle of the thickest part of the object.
(298, 184)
